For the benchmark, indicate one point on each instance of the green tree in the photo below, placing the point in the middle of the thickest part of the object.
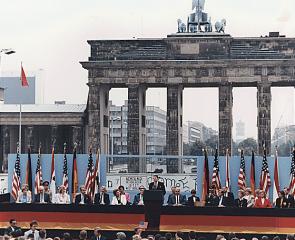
(248, 145)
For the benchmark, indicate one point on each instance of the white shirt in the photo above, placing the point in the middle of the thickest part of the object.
(36, 234)
(122, 199)
(102, 199)
(62, 198)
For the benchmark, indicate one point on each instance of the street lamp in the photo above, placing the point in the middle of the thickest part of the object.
(6, 51)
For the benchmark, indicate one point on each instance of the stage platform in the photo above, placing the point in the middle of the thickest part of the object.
(126, 218)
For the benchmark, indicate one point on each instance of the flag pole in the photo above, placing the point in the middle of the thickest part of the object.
(20, 122)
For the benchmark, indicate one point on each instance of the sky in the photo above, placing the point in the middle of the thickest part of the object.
(50, 38)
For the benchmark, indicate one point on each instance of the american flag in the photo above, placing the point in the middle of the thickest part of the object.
(65, 177)
(292, 174)
(89, 175)
(96, 174)
(215, 176)
(38, 177)
(16, 177)
(242, 174)
(265, 181)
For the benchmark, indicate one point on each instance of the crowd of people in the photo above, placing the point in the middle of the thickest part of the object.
(13, 231)
(221, 198)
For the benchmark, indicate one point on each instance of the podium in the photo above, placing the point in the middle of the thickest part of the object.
(153, 201)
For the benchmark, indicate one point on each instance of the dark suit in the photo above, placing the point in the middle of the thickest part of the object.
(160, 186)
(46, 198)
(87, 199)
(172, 200)
(229, 199)
(190, 201)
(136, 199)
(16, 232)
(212, 201)
(106, 199)
(282, 203)
(169, 197)
(291, 202)
(240, 203)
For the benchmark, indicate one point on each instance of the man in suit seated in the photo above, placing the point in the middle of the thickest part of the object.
(157, 185)
(173, 188)
(102, 198)
(138, 198)
(241, 202)
(13, 230)
(178, 199)
(193, 198)
(42, 197)
(82, 197)
(229, 196)
(211, 199)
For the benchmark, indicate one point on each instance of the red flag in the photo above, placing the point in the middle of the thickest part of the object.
(23, 78)
(205, 182)
(276, 183)
(74, 174)
(252, 174)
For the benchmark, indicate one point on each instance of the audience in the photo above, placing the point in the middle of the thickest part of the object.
(13, 230)
(33, 233)
(97, 234)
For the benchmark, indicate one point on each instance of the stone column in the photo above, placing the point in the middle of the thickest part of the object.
(174, 139)
(77, 137)
(6, 147)
(136, 137)
(264, 116)
(98, 117)
(29, 141)
(225, 118)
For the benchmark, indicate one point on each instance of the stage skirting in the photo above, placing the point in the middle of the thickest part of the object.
(126, 218)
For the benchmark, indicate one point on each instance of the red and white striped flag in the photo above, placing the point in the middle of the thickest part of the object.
(89, 181)
(52, 178)
(227, 171)
(276, 183)
(292, 174)
(265, 181)
(242, 174)
(96, 175)
(215, 176)
(16, 176)
(38, 177)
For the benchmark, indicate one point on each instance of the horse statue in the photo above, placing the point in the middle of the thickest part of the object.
(220, 26)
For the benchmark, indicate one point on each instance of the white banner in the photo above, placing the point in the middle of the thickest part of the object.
(3, 183)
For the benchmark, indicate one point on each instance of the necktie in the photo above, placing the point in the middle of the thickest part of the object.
(177, 199)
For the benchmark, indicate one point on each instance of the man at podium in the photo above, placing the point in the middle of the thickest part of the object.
(156, 185)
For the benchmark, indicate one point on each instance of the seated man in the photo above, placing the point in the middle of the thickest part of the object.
(13, 230)
(178, 199)
(211, 199)
(24, 196)
(241, 202)
(82, 197)
(193, 198)
(47, 190)
(229, 196)
(42, 197)
(102, 198)
(138, 198)
(173, 188)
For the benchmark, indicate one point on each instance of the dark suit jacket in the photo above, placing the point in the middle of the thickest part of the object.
(172, 200)
(282, 204)
(16, 233)
(136, 199)
(229, 199)
(190, 201)
(87, 199)
(240, 203)
(106, 198)
(46, 198)
(160, 186)
(291, 201)
(212, 201)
